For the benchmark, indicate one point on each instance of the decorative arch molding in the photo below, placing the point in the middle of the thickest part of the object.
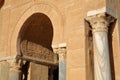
(50, 11)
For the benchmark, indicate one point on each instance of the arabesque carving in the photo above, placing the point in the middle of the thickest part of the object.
(38, 53)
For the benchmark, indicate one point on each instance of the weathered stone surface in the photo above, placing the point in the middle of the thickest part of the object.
(38, 53)
(14, 75)
(15, 72)
(67, 17)
(4, 70)
(39, 72)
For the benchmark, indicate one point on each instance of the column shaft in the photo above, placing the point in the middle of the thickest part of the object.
(62, 63)
(62, 69)
(101, 56)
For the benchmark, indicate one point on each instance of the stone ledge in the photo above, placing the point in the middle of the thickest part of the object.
(59, 45)
(7, 58)
(94, 12)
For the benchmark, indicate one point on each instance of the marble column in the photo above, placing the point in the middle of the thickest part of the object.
(62, 63)
(15, 72)
(99, 24)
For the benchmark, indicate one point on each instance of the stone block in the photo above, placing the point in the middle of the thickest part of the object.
(76, 58)
(76, 40)
(39, 72)
(4, 70)
(76, 74)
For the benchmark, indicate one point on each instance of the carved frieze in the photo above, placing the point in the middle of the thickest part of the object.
(36, 52)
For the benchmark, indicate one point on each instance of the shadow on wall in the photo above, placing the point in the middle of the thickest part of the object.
(89, 52)
(110, 38)
(37, 29)
(1, 3)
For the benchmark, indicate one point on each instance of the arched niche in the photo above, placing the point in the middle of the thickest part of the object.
(38, 29)
(51, 12)
(34, 45)
(35, 40)
(53, 17)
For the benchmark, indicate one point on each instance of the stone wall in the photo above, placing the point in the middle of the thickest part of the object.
(67, 17)
(113, 8)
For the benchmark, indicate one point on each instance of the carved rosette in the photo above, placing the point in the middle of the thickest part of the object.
(100, 22)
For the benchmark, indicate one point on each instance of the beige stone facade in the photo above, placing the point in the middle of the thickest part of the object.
(55, 25)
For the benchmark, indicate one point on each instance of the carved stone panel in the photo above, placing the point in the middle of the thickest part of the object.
(37, 53)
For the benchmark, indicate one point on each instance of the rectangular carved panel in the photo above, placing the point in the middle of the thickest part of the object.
(37, 53)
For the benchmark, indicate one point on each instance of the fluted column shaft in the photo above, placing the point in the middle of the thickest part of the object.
(99, 24)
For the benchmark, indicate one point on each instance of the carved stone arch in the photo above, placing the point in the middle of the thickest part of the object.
(46, 9)
(54, 16)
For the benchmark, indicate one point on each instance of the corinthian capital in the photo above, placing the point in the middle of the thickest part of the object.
(62, 53)
(100, 21)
